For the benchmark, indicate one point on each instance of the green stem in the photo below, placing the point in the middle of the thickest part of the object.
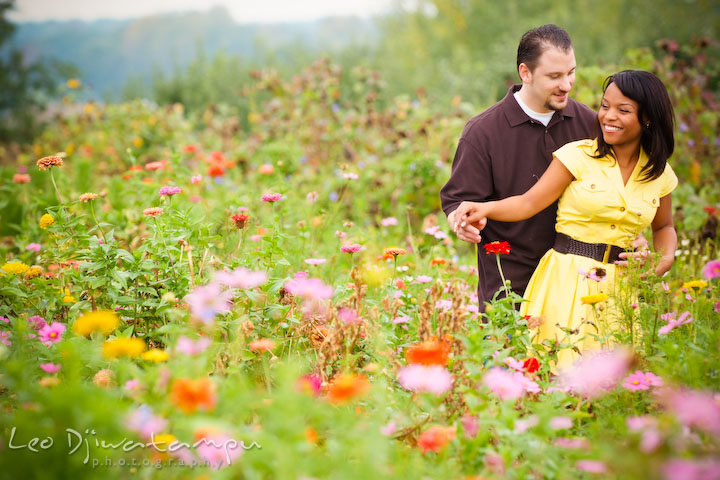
(92, 211)
(52, 177)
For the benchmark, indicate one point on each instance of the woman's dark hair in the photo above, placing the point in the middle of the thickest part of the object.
(536, 41)
(655, 114)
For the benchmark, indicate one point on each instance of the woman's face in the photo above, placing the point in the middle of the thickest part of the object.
(618, 118)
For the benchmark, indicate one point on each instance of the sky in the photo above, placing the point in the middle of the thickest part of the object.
(243, 11)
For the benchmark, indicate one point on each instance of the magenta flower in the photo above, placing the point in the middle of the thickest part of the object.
(315, 261)
(52, 333)
(5, 338)
(241, 278)
(271, 197)
(504, 383)
(595, 374)
(4, 319)
(591, 466)
(36, 322)
(572, 443)
(421, 378)
(352, 248)
(389, 222)
(388, 429)
(711, 270)
(208, 301)
(470, 425)
(693, 408)
(218, 449)
(642, 381)
(188, 347)
(50, 367)
(704, 469)
(145, 423)
(349, 316)
(309, 288)
(34, 247)
(672, 323)
(170, 191)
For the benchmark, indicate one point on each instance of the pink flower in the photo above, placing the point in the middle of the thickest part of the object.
(423, 279)
(241, 278)
(350, 176)
(560, 423)
(153, 211)
(52, 333)
(195, 198)
(315, 261)
(349, 316)
(195, 179)
(711, 270)
(693, 408)
(311, 197)
(504, 383)
(145, 423)
(262, 345)
(682, 469)
(36, 322)
(642, 381)
(170, 191)
(352, 248)
(591, 466)
(665, 286)
(389, 222)
(34, 247)
(255, 238)
(4, 319)
(399, 320)
(271, 197)
(470, 425)
(595, 373)
(672, 323)
(443, 305)
(309, 288)
(208, 301)
(572, 443)
(188, 347)
(310, 384)
(5, 338)
(217, 449)
(388, 429)
(522, 425)
(421, 378)
(514, 364)
(132, 385)
(50, 367)
(300, 275)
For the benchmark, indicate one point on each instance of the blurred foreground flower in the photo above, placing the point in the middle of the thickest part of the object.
(241, 278)
(435, 438)
(102, 321)
(429, 352)
(711, 270)
(309, 288)
(123, 347)
(594, 374)
(190, 395)
(420, 378)
(347, 387)
(208, 301)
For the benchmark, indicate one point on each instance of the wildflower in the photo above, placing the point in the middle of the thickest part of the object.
(711, 270)
(49, 382)
(642, 381)
(86, 197)
(352, 248)
(102, 321)
(266, 169)
(389, 222)
(271, 197)
(216, 171)
(595, 373)
(560, 423)
(188, 347)
(500, 248)
(155, 355)
(594, 274)
(21, 178)
(346, 387)
(394, 252)
(155, 166)
(216, 449)
(665, 286)
(50, 334)
(672, 323)
(531, 365)
(437, 261)
(208, 301)
(34, 271)
(429, 352)
(15, 268)
(170, 191)
(311, 197)
(350, 176)
(685, 469)
(420, 378)
(310, 384)
(104, 378)
(504, 384)
(73, 83)
(241, 278)
(50, 367)
(594, 298)
(36, 322)
(239, 219)
(349, 316)
(34, 247)
(572, 443)
(423, 279)
(693, 408)
(153, 211)
(4, 319)
(262, 345)
(435, 438)
(388, 429)
(144, 422)
(132, 385)
(5, 338)
(49, 162)
(514, 364)
(522, 425)
(315, 261)
(191, 395)
(309, 288)
(699, 284)
(123, 347)
(195, 179)
(591, 466)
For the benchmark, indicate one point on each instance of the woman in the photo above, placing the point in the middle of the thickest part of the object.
(610, 189)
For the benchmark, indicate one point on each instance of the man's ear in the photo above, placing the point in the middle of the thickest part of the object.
(525, 73)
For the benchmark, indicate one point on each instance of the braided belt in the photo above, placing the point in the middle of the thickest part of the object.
(601, 252)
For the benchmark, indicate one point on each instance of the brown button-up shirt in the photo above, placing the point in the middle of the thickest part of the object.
(502, 152)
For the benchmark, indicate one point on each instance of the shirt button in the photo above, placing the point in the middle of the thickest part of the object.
(612, 226)
(622, 209)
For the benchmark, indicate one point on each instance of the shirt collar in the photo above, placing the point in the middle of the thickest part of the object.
(515, 115)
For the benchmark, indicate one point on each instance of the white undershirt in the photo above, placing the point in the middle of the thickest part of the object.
(543, 118)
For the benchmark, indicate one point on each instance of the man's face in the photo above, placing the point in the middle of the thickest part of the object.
(548, 86)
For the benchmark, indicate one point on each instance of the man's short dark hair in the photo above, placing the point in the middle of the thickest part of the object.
(536, 41)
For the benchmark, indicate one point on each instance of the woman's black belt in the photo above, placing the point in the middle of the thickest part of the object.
(601, 252)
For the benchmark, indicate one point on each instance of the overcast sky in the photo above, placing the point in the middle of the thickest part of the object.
(242, 10)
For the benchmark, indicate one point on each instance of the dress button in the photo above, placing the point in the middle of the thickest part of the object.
(612, 226)
(622, 209)
(592, 185)
(654, 201)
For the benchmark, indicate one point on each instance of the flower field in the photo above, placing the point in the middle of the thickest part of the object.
(279, 297)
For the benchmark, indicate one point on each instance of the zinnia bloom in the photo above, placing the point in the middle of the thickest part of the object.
(170, 191)
(103, 321)
(46, 220)
(352, 248)
(187, 347)
(239, 219)
(309, 288)
(315, 261)
(593, 299)
(21, 178)
(49, 162)
(266, 169)
(437, 261)
(34, 247)
(86, 197)
(435, 438)
(15, 268)
(208, 301)
(389, 222)
(104, 378)
(505, 384)
(346, 387)
(50, 367)
(190, 395)
(429, 352)
(155, 355)
(153, 211)
(500, 248)
(420, 378)
(271, 197)
(394, 251)
(123, 347)
(262, 345)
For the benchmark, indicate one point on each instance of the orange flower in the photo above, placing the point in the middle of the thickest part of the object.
(346, 387)
(429, 352)
(435, 438)
(216, 170)
(394, 252)
(190, 395)
(437, 261)
(262, 345)
(49, 162)
(311, 435)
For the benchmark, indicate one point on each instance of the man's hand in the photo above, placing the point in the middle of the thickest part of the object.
(640, 244)
(469, 232)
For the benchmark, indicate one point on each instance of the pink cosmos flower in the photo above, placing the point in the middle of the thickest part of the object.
(665, 286)
(218, 449)
(300, 275)
(595, 373)
(34, 247)
(36, 322)
(309, 288)
(315, 261)
(241, 278)
(421, 378)
(470, 425)
(572, 443)
(514, 364)
(504, 383)
(352, 248)
(388, 429)
(311, 197)
(208, 301)
(711, 270)
(399, 320)
(591, 466)
(50, 367)
(672, 323)
(145, 423)
(271, 197)
(423, 279)
(443, 305)
(255, 238)
(5, 338)
(4, 319)
(349, 316)
(389, 222)
(591, 275)
(132, 385)
(522, 425)
(195, 179)
(350, 176)
(560, 423)
(170, 191)
(642, 381)
(188, 347)
(693, 408)
(52, 333)
(682, 469)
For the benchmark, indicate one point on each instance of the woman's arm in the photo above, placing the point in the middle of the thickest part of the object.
(520, 207)
(664, 235)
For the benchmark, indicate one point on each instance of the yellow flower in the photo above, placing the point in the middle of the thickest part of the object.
(103, 321)
(374, 275)
(73, 83)
(155, 355)
(123, 347)
(15, 268)
(694, 284)
(34, 271)
(137, 142)
(593, 299)
(46, 220)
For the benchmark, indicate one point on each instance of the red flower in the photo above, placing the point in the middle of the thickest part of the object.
(239, 219)
(531, 365)
(501, 248)
(712, 211)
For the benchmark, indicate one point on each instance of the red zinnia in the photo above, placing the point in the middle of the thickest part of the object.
(429, 352)
(502, 248)
(531, 365)
(239, 219)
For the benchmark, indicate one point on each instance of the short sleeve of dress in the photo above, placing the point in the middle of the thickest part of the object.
(669, 180)
(573, 156)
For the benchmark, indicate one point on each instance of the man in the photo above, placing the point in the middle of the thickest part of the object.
(505, 150)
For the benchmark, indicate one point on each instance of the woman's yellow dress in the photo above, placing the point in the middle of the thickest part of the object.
(595, 208)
